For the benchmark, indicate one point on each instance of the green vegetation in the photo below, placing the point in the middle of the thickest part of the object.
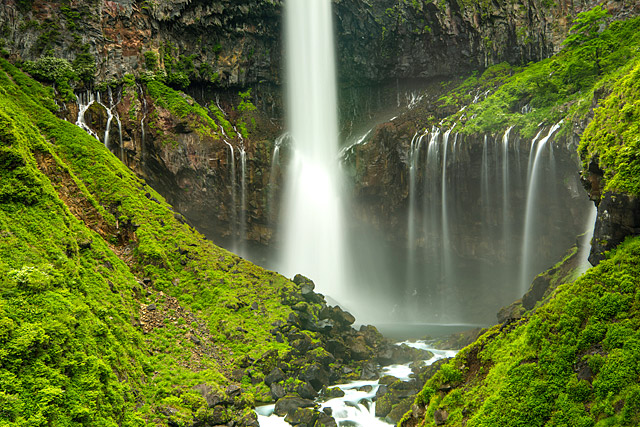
(612, 138)
(561, 87)
(85, 248)
(185, 107)
(575, 361)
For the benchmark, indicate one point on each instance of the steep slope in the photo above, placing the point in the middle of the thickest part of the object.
(93, 261)
(114, 311)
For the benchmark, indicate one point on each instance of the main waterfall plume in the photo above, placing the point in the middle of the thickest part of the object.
(312, 220)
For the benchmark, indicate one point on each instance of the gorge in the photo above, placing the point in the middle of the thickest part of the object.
(436, 180)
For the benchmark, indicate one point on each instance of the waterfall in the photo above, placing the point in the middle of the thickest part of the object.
(243, 201)
(144, 115)
(446, 231)
(84, 102)
(506, 222)
(273, 175)
(414, 156)
(109, 120)
(232, 175)
(584, 242)
(312, 219)
(527, 270)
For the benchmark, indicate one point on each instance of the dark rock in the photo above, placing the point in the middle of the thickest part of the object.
(325, 420)
(327, 410)
(618, 217)
(306, 391)
(585, 373)
(276, 375)
(369, 371)
(290, 403)
(511, 312)
(382, 389)
(233, 390)
(440, 416)
(316, 375)
(304, 417)
(277, 391)
(537, 290)
(332, 393)
(387, 380)
(399, 410)
(357, 348)
(206, 391)
(151, 307)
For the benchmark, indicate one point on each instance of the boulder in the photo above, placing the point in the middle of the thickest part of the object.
(276, 375)
(316, 375)
(288, 404)
(277, 391)
(303, 417)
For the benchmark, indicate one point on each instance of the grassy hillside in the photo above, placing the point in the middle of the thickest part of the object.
(112, 308)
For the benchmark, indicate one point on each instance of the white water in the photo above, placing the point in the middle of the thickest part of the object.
(109, 120)
(243, 202)
(531, 211)
(447, 264)
(84, 102)
(232, 176)
(357, 406)
(584, 242)
(506, 222)
(273, 175)
(144, 115)
(313, 213)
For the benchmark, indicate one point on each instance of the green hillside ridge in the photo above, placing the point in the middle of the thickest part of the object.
(595, 56)
(85, 249)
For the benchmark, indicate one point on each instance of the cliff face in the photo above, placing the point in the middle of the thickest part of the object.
(222, 47)
(238, 43)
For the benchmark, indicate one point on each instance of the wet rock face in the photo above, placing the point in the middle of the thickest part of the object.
(618, 217)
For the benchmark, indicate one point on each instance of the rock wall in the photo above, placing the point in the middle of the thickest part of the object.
(238, 43)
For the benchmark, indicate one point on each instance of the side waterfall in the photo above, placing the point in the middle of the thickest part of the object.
(312, 215)
(479, 226)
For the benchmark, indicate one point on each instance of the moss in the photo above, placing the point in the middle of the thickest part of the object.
(78, 233)
(560, 87)
(531, 368)
(612, 138)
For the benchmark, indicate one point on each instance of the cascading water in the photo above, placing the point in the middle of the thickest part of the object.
(447, 265)
(273, 175)
(109, 120)
(506, 210)
(531, 218)
(84, 102)
(243, 202)
(312, 215)
(232, 175)
(458, 267)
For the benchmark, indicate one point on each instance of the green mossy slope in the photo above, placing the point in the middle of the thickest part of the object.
(85, 249)
(573, 362)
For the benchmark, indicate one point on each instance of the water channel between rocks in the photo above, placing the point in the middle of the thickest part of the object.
(357, 407)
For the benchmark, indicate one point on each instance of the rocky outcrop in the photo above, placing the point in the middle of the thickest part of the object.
(618, 217)
(238, 43)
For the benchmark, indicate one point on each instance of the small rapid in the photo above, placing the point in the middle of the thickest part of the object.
(358, 407)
